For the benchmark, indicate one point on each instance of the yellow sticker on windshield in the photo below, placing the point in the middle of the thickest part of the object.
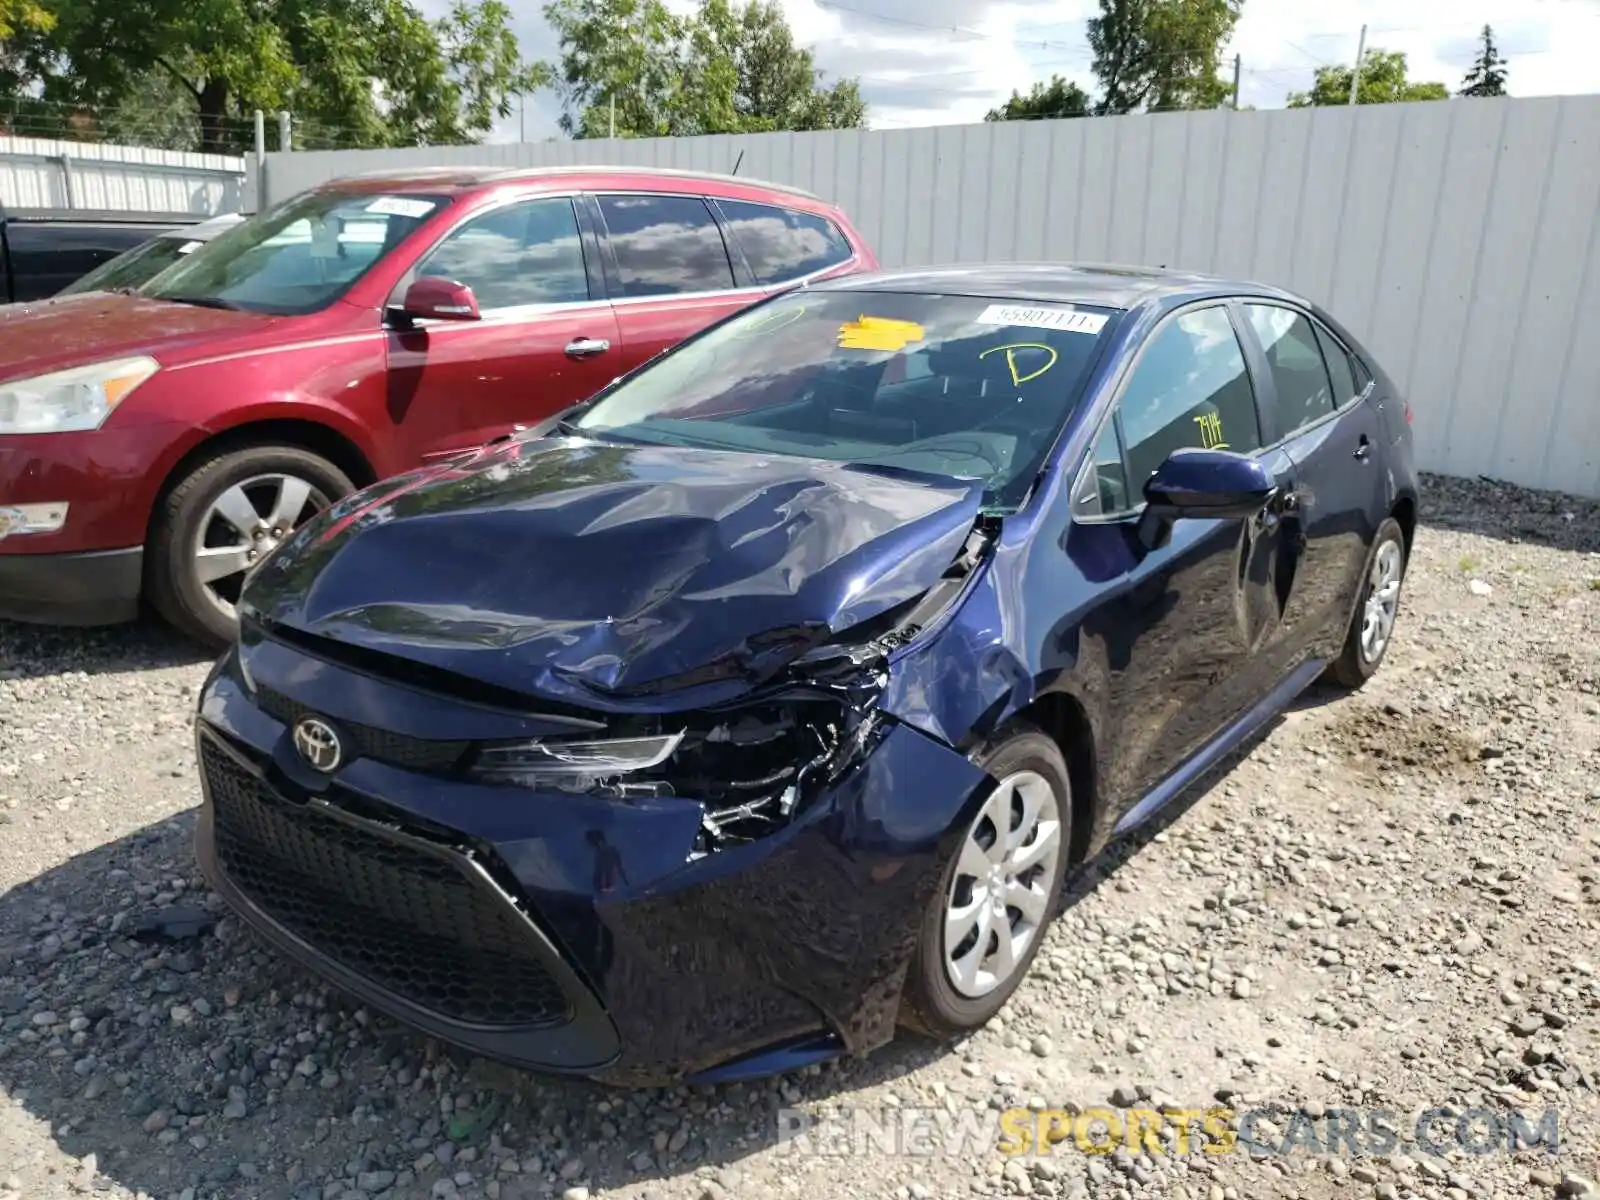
(878, 333)
(1019, 375)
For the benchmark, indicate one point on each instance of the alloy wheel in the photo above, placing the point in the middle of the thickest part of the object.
(1000, 896)
(242, 526)
(1383, 600)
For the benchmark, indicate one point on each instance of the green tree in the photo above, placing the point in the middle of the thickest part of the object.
(1058, 98)
(362, 72)
(1161, 54)
(1488, 74)
(20, 16)
(635, 67)
(1383, 81)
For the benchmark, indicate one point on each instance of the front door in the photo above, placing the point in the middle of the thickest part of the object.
(543, 343)
(672, 270)
(1176, 627)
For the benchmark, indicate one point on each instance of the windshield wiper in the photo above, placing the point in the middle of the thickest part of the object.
(205, 302)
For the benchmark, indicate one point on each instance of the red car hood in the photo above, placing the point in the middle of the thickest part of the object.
(51, 335)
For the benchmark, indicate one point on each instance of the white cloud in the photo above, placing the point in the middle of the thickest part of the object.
(935, 62)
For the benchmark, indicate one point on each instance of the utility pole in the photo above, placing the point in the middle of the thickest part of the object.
(1355, 76)
(612, 130)
(1237, 66)
(522, 116)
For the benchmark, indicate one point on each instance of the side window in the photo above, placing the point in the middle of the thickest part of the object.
(1295, 359)
(1190, 388)
(666, 245)
(781, 244)
(1363, 376)
(526, 253)
(1104, 488)
(1340, 371)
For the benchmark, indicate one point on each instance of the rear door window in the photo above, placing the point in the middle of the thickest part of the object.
(666, 245)
(1294, 357)
(781, 244)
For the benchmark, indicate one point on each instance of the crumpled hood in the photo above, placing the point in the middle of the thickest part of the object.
(578, 570)
(39, 336)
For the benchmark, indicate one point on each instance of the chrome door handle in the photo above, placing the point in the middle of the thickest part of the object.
(587, 347)
(1364, 448)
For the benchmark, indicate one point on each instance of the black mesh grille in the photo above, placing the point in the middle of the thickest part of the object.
(416, 754)
(407, 920)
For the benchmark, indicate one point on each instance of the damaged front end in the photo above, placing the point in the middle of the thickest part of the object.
(753, 765)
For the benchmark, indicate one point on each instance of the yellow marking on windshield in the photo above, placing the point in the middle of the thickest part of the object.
(878, 333)
(1211, 431)
(1011, 359)
(770, 322)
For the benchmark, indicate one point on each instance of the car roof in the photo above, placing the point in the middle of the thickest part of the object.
(1108, 285)
(462, 178)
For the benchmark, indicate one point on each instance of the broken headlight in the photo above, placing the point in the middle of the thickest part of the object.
(751, 769)
(574, 766)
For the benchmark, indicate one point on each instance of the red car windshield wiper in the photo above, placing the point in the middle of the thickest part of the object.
(204, 302)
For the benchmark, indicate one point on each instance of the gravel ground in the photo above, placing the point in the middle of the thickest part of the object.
(1391, 901)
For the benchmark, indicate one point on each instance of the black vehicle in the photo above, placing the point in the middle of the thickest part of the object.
(44, 250)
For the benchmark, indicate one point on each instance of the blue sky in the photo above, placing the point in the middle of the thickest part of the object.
(933, 62)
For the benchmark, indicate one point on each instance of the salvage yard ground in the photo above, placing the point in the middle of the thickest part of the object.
(1392, 901)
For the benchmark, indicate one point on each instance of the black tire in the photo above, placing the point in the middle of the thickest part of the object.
(931, 1005)
(1354, 667)
(171, 582)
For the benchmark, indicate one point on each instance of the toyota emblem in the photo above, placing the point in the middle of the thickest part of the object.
(318, 744)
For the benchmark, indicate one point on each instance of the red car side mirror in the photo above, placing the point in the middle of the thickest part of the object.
(440, 299)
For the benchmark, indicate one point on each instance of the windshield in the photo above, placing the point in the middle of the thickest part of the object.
(131, 269)
(952, 385)
(296, 258)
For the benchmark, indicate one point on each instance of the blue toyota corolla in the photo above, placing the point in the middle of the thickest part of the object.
(760, 705)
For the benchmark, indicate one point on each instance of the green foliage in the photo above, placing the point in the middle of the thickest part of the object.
(354, 72)
(1058, 98)
(730, 67)
(1383, 81)
(1488, 74)
(23, 16)
(1158, 55)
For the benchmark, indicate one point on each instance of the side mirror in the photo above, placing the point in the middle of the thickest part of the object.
(440, 299)
(1207, 484)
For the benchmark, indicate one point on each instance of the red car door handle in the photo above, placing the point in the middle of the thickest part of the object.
(587, 347)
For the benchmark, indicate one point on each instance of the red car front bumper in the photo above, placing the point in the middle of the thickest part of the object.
(89, 572)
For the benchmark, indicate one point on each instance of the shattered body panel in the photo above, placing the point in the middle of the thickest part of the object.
(704, 570)
(694, 960)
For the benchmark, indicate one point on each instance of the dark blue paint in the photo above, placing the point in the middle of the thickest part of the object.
(538, 584)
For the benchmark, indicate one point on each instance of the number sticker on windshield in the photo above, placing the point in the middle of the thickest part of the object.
(1067, 319)
(400, 206)
(878, 333)
(1030, 353)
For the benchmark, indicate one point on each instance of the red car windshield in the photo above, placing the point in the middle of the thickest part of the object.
(296, 258)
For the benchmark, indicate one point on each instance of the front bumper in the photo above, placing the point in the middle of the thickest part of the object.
(95, 588)
(570, 933)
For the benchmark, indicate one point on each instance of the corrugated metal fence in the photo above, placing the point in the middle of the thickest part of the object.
(45, 173)
(1458, 239)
